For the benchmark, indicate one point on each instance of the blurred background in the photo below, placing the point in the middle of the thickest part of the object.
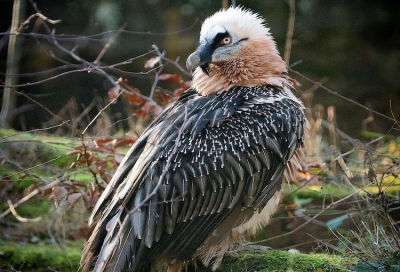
(352, 47)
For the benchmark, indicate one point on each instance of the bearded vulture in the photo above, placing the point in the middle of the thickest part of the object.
(209, 169)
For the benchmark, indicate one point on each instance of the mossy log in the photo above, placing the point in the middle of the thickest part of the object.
(276, 260)
(45, 257)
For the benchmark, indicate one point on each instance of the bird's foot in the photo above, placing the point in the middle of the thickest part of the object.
(246, 247)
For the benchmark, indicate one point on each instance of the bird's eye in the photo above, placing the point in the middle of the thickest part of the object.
(226, 40)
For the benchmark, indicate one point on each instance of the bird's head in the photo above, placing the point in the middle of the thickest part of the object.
(235, 49)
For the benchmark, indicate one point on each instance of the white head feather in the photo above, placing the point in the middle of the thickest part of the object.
(238, 21)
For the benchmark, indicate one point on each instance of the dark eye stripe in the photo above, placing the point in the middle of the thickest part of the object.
(218, 38)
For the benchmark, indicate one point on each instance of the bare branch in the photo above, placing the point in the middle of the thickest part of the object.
(29, 196)
(49, 111)
(45, 80)
(175, 63)
(99, 113)
(20, 218)
(33, 130)
(126, 88)
(159, 71)
(108, 44)
(28, 170)
(341, 96)
(289, 33)
(36, 15)
(76, 57)
(333, 204)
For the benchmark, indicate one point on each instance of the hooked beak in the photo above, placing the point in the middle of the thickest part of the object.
(200, 58)
(193, 61)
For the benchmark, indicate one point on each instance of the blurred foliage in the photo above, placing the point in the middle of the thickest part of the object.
(353, 44)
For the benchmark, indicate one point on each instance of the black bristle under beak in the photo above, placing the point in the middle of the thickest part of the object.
(206, 68)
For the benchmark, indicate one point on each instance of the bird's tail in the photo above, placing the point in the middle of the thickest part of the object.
(113, 247)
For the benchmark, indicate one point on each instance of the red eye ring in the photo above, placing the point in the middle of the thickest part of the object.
(226, 40)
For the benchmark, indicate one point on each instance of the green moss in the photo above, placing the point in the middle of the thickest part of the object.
(83, 177)
(318, 191)
(34, 209)
(281, 261)
(41, 257)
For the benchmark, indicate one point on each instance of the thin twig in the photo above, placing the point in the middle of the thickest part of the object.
(308, 221)
(108, 44)
(33, 130)
(38, 15)
(20, 218)
(49, 111)
(29, 196)
(77, 58)
(341, 96)
(128, 89)
(176, 64)
(290, 31)
(86, 110)
(100, 112)
(45, 80)
(93, 37)
(27, 170)
(159, 71)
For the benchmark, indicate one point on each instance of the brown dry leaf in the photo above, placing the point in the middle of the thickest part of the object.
(163, 97)
(150, 63)
(88, 158)
(101, 165)
(133, 99)
(291, 206)
(94, 191)
(186, 85)
(73, 152)
(92, 187)
(101, 142)
(130, 93)
(47, 191)
(59, 194)
(147, 108)
(113, 93)
(175, 78)
(125, 142)
(86, 200)
(289, 214)
(316, 165)
(105, 176)
(77, 183)
(294, 182)
(72, 199)
(31, 188)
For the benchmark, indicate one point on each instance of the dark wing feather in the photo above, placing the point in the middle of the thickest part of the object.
(197, 162)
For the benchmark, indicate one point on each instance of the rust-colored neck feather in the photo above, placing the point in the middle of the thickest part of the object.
(258, 63)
